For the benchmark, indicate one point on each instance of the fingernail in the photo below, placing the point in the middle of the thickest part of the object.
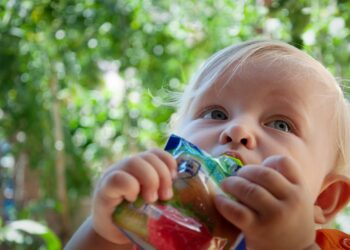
(153, 197)
(167, 193)
(173, 174)
(224, 197)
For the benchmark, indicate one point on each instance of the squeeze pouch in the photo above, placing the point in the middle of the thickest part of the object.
(189, 220)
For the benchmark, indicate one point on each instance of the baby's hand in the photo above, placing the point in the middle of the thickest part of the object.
(274, 208)
(149, 173)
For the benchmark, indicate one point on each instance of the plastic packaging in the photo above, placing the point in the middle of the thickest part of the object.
(189, 220)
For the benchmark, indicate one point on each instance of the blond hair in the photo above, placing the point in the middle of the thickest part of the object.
(234, 57)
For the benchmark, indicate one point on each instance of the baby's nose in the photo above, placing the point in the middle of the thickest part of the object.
(238, 134)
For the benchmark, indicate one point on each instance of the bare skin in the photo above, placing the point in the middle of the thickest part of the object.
(276, 127)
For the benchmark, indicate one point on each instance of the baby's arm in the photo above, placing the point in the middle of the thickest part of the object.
(149, 173)
(274, 208)
(86, 238)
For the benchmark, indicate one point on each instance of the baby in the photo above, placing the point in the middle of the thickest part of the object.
(284, 116)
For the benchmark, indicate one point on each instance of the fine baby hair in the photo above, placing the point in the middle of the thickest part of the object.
(234, 58)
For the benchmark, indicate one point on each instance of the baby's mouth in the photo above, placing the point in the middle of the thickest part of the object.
(235, 155)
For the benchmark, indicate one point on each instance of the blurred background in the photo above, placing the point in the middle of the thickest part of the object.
(82, 85)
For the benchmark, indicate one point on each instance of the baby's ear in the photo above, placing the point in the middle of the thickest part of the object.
(334, 196)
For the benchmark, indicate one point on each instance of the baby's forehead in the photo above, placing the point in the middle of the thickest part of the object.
(285, 79)
(290, 65)
(294, 68)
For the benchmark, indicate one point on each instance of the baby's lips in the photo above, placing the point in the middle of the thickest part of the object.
(236, 163)
(235, 155)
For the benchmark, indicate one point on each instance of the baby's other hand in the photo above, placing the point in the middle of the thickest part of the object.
(273, 206)
(149, 173)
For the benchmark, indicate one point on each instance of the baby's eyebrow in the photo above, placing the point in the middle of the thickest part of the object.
(295, 107)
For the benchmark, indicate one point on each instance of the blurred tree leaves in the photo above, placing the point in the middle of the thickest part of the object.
(113, 61)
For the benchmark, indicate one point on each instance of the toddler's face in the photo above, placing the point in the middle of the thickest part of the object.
(267, 110)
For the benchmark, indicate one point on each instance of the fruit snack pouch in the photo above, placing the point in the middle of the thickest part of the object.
(189, 220)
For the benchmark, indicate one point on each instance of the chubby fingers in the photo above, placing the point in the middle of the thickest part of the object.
(277, 175)
(164, 169)
(251, 202)
(149, 172)
(118, 185)
(286, 166)
(260, 191)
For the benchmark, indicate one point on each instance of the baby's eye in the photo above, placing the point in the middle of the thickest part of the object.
(215, 114)
(280, 125)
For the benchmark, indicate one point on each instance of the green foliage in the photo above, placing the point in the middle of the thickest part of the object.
(61, 52)
(27, 234)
